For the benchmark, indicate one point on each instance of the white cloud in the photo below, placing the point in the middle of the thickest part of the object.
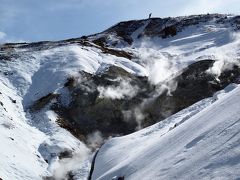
(2, 36)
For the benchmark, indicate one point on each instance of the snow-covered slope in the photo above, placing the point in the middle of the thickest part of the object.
(20, 158)
(33, 78)
(32, 142)
(203, 146)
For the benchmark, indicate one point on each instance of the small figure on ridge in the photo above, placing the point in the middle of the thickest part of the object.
(150, 15)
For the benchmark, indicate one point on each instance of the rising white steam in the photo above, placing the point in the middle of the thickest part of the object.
(161, 67)
(62, 167)
(226, 57)
(123, 90)
(136, 114)
(95, 140)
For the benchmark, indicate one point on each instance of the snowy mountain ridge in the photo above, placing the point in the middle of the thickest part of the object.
(59, 101)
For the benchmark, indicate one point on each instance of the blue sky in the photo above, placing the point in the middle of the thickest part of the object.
(35, 20)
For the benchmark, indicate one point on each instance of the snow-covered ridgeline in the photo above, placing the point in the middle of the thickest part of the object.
(31, 139)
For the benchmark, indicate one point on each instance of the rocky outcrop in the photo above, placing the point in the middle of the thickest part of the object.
(135, 103)
(155, 27)
(89, 112)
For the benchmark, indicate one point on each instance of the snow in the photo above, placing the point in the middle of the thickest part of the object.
(38, 139)
(19, 141)
(31, 142)
(207, 40)
(203, 146)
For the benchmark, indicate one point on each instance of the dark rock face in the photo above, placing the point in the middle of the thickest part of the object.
(89, 112)
(125, 29)
(236, 22)
(42, 102)
(8, 56)
(156, 27)
(194, 84)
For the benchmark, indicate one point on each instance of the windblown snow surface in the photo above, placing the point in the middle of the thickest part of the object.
(188, 145)
(201, 141)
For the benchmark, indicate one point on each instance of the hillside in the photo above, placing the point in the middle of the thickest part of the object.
(60, 101)
(184, 146)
